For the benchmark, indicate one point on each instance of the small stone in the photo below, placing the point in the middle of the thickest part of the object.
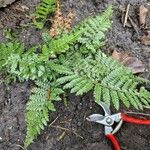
(4, 3)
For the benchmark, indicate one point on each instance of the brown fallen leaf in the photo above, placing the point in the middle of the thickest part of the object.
(132, 63)
(143, 11)
(59, 22)
(146, 39)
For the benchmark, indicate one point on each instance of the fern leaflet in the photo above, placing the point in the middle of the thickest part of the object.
(42, 10)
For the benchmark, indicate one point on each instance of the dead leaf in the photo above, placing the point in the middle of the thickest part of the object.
(68, 20)
(132, 63)
(146, 39)
(59, 22)
(119, 56)
(143, 11)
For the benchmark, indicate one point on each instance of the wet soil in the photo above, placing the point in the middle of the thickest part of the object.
(70, 131)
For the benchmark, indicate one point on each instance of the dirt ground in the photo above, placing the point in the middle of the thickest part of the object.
(70, 131)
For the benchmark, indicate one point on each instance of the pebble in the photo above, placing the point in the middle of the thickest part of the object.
(4, 3)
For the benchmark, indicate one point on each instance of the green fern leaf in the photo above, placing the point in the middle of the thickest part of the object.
(115, 99)
(114, 82)
(106, 96)
(42, 10)
(124, 99)
(72, 83)
(37, 110)
(95, 28)
(97, 93)
(7, 49)
(132, 100)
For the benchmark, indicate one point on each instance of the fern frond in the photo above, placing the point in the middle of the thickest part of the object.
(42, 10)
(38, 107)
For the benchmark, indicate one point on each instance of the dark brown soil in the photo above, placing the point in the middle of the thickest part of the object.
(70, 131)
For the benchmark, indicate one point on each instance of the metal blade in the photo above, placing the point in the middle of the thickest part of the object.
(105, 108)
(108, 130)
(95, 117)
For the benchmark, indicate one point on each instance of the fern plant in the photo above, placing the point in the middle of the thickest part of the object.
(37, 110)
(42, 10)
(74, 61)
(84, 68)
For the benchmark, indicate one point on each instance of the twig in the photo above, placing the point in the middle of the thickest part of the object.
(137, 113)
(53, 122)
(147, 107)
(17, 145)
(61, 136)
(134, 25)
(126, 15)
(62, 128)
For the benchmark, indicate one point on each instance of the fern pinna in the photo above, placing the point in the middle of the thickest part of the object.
(38, 107)
(42, 10)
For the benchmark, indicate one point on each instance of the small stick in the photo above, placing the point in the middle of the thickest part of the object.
(62, 128)
(61, 136)
(134, 25)
(147, 107)
(137, 113)
(53, 121)
(17, 145)
(126, 15)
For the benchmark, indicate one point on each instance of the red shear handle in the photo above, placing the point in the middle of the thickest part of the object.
(114, 141)
(129, 119)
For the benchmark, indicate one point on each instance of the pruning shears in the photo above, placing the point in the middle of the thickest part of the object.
(108, 121)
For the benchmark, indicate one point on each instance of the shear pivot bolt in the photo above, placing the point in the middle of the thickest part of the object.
(109, 120)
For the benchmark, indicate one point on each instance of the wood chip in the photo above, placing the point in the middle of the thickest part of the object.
(132, 63)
